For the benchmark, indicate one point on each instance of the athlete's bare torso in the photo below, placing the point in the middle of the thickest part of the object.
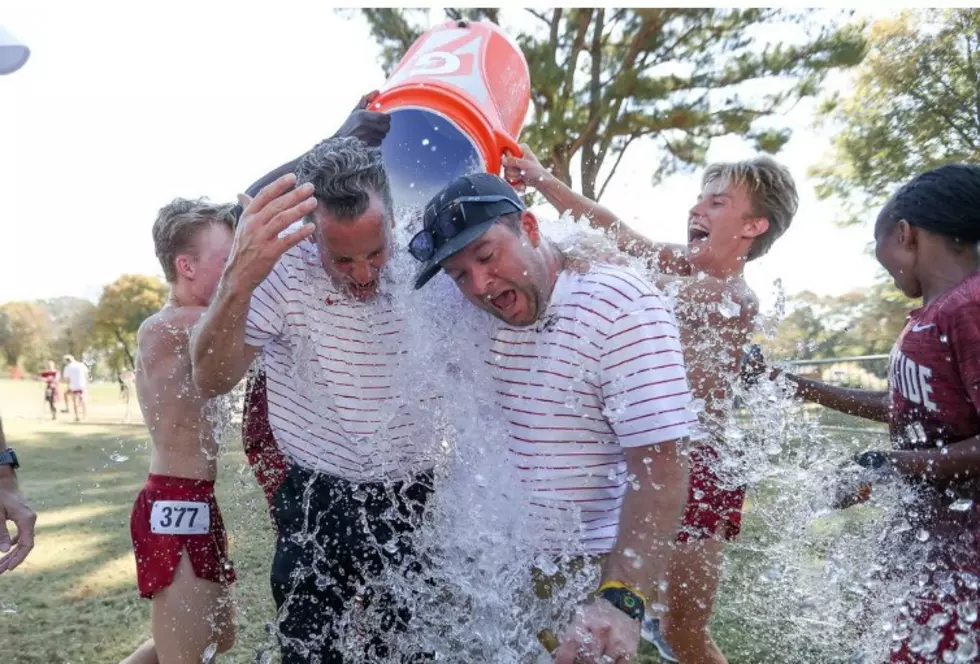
(716, 319)
(180, 420)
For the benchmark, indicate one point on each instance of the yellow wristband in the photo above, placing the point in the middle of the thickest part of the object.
(618, 584)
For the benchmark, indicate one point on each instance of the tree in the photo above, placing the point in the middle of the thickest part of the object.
(915, 105)
(124, 305)
(862, 322)
(24, 334)
(603, 79)
(73, 323)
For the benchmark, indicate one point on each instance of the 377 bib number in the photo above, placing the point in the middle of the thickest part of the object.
(180, 517)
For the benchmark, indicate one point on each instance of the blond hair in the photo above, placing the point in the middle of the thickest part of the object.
(771, 190)
(178, 224)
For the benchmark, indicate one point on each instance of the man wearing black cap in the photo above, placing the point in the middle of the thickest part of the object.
(590, 372)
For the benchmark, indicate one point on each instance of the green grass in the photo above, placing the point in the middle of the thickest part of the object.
(75, 598)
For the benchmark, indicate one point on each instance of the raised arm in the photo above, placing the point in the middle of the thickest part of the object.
(218, 348)
(528, 171)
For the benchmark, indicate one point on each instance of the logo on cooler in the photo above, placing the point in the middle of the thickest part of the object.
(449, 56)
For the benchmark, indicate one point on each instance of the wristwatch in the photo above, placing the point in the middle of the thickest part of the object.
(625, 599)
(8, 458)
(872, 460)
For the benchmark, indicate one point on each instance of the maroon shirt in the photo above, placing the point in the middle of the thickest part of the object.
(934, 376)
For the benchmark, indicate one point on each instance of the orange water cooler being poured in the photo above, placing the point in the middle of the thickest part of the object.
(457, 102)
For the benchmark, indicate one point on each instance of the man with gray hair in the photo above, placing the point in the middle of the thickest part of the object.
(309, 303)
(743, 208)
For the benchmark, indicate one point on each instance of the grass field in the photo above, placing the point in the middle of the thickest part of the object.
(75, 599)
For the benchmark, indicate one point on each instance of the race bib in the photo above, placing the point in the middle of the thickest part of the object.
(180, 517)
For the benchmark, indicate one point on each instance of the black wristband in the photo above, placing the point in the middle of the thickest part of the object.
(625, 600)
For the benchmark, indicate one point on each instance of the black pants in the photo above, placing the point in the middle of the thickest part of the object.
(344, 535)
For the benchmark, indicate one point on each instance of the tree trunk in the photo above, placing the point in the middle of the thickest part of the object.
(561, 167)
(125, 347)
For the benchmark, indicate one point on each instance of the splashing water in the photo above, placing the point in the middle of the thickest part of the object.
(803, 583)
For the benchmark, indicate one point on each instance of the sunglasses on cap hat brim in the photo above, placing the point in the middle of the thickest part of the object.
(455, 217)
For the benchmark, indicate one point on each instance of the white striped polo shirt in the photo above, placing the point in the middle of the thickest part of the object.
(601, 370)
(336, 403)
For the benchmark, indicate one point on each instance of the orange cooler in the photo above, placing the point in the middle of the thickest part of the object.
(457, 102)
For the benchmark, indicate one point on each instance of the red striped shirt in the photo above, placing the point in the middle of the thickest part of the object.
(331, 365)
(601, 370)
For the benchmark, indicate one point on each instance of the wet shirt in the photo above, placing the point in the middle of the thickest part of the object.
(602, 370)
(331, 364)
(934, 379)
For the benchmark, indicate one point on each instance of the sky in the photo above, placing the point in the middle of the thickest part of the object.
(124, 106)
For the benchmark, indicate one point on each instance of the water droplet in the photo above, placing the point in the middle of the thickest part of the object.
(696, 406)
(943, 339)
(546, 565)
(961, 505)
(922, 535)
(425, 141)
(967, 611)
(967, 650)
(729, 308)
(118, 458)
(208, 655)
(698, 494)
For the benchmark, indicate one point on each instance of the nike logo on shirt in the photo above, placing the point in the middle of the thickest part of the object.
(922, 328)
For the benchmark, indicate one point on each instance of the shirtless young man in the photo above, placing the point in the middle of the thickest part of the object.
(178, 535)
(741, 211)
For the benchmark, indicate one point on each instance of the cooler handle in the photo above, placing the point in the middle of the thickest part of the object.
(509, 148)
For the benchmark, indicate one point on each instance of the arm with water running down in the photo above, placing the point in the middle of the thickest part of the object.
(528, 171)
(219, 349)
(644, 381)
(869, 404)
(960, 461)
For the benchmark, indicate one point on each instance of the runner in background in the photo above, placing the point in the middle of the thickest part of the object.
(77, 377)
(51, 377)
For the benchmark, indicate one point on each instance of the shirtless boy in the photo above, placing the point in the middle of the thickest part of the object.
(178, 536)
(742, 209)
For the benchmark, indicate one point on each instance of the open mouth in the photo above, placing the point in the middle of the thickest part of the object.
(504, 300)
(695, 233)
(361, 290)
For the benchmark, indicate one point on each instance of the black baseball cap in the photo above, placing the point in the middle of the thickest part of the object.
(458, 215)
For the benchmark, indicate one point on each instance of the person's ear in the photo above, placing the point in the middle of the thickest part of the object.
(908, 235)
(529, 224)
(185, 266)
(755, 227)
